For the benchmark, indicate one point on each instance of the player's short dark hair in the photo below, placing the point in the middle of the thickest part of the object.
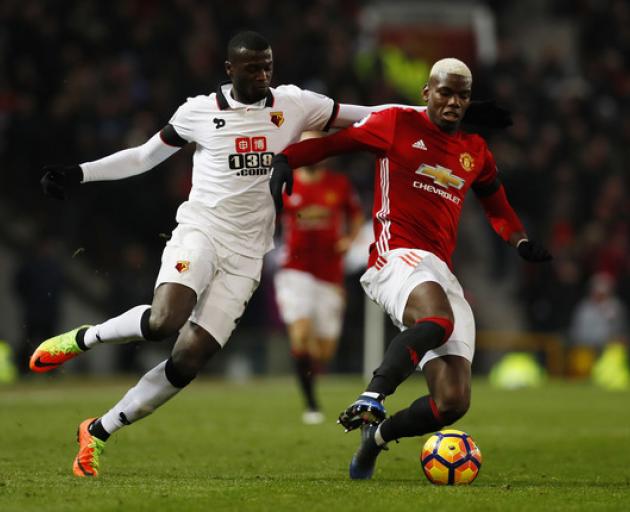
(248, 40)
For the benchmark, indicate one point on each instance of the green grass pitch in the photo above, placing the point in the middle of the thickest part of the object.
(222, 446)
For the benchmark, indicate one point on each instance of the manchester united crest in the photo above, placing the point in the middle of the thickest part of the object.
(330, 197)
(182, 266)
(277, 118)
(467, 162)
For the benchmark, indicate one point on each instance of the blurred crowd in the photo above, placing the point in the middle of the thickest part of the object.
(80, 80)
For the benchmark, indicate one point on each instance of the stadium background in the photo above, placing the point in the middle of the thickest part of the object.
(80, 80)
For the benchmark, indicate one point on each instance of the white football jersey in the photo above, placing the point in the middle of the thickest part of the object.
(230, 197)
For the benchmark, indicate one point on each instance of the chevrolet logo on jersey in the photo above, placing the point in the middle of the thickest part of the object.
(441, 176)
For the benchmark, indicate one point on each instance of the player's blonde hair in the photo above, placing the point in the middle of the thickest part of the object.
(451, 66)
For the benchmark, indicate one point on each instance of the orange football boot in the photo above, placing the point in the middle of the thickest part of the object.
(90, 448)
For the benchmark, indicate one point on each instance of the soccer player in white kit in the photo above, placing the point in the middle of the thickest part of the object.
(212, 264)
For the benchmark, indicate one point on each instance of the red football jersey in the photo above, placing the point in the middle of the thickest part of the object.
(422, 176)
(314, 217)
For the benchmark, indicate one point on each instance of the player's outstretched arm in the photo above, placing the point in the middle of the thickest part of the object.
(309, 152)
(506, 223)
(350, 114)
(482, 114)
(59, 180)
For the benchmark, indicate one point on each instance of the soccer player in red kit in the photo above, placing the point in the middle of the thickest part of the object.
(425, 165)
(320, 220)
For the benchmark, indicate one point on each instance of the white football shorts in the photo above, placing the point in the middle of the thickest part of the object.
(301, 295)
(224, 281)
(393, 277)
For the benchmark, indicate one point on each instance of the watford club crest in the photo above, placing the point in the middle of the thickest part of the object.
(277, 118)
(182, 266)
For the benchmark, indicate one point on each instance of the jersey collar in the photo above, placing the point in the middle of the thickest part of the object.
(225, 100)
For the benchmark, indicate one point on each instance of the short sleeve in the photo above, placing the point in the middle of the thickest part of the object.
(319, 110)
(182, 121)
(376, 130)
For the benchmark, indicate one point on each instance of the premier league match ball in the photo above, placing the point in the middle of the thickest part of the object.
(450, 457)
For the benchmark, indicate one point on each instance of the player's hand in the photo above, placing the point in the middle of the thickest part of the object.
(533, 251)
(487, 113)
(281, 177)
(342, 246)
(58, 180)
(363, 411)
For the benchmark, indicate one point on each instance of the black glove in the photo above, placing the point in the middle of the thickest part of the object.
(281, 175)
(58, 180)
(532, 251)
(487, 113)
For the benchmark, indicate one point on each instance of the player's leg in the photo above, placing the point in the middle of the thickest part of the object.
(448, 372)
(328, 320)
(301, 339)
(295, 296)
(329, 305)
(448, 378)
(428, 319)
(171, 307)
(188, 262)
(321, 351)
(193, 348)
(325, 350)
(211, 324)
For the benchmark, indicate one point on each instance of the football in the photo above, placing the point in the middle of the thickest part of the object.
(451, 457)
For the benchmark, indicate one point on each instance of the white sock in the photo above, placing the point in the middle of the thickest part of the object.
(121, 329)
(151, 391)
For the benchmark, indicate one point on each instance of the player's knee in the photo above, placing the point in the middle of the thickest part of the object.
(183, 371)
(439, 327)
(326, 354)
(452, 405)
(192, 352)
(179, 374)
(163, 323)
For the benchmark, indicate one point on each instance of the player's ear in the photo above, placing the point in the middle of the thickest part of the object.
(425, 93)
(228, 68)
